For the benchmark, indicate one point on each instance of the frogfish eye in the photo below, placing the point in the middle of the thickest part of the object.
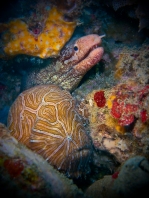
(75, 48)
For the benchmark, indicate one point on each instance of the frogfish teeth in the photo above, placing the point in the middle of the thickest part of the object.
(74, 61)
(45, 120)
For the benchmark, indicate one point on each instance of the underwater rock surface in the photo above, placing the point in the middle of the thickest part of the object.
(24, 173)
(131, 180)
(116, 117)
(119, 119)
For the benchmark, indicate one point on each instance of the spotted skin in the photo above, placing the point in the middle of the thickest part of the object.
(74, 62)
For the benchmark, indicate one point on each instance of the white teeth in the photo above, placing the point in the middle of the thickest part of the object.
(94, 47)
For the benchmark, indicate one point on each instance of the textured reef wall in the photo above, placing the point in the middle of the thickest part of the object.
(25, 173)
(134, 9)
(110, 97)
(119, 119)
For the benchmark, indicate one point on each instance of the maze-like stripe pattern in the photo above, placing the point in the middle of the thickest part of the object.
(44, 119)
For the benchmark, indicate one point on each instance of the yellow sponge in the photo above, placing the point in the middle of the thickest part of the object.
(56, 32)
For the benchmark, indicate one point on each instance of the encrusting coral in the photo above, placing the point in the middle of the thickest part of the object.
(124, 104)
(133, 62)
(119, 119)
(42, 40)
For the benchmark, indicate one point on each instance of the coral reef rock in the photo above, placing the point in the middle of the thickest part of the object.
(119, 119)
(132, 180)
(24, 173)
(135, 9)
(133, 62)
(45, 120)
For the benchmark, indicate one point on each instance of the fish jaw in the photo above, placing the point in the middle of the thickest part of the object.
(92, 59)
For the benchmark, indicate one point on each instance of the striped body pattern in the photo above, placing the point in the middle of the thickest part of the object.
(45, 120)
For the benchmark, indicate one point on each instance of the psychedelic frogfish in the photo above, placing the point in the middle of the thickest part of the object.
(68, 70)
(44, 118)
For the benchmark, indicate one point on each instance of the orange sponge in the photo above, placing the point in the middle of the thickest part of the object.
(56, 32)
